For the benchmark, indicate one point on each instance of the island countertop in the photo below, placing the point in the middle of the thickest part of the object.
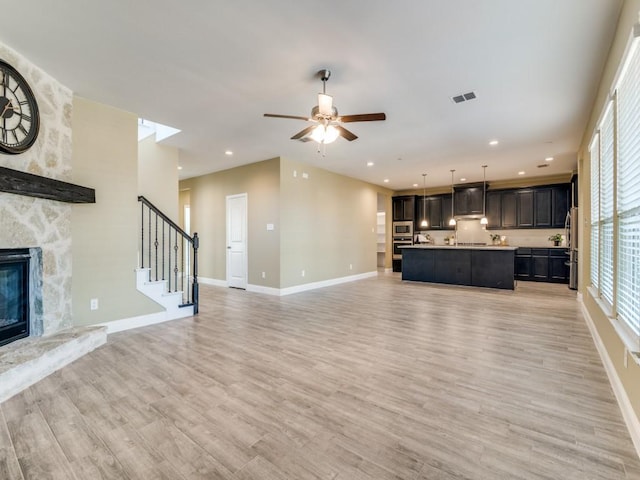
(425, 246)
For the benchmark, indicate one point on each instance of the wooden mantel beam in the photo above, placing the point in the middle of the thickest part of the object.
(30, 185)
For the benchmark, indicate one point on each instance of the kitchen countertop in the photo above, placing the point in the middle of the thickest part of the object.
(423, 246)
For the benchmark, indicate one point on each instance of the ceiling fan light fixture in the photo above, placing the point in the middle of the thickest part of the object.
(325, 134)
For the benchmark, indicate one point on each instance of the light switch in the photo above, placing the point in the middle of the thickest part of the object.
(269, 226)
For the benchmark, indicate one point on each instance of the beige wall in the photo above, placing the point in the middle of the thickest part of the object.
(328, 222)
(158, 175)
(207, 197)
(323, 224)
(105, 234)
(630, 375)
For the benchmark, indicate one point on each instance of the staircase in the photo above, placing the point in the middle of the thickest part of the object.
(168, 270)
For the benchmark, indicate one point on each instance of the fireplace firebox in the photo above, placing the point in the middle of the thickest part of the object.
(14, 294)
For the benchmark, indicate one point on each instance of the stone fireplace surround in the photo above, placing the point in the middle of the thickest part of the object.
(44, 224)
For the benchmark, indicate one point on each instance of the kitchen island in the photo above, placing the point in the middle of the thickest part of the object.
(478, 266)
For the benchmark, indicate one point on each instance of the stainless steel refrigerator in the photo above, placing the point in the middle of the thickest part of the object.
(571, 234)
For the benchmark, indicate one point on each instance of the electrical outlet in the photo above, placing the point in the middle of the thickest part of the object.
(295, 174)
(305, 175)
(264, 275)
(94, 304)
(350, 266)
(302, 273)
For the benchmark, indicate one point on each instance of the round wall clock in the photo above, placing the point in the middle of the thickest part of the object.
(19, 118)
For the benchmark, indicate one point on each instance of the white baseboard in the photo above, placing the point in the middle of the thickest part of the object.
(263, 289)
(280, 292)
(213, 281)
(326, 283)
(628, 413)
(145, 320)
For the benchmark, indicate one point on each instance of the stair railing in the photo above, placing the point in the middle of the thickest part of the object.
(169, 253)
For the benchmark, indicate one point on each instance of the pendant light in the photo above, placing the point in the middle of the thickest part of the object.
(452, 222)
(424, 222)
(483, 220)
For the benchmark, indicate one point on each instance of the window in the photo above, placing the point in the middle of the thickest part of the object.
(628, 193)
(615, 201)
(606, 205)
(595, 211)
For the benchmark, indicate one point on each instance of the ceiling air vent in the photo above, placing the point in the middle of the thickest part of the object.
(464, 97)
(544, 165)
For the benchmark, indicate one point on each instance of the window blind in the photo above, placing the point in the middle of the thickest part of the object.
(606, 204)
(628, 195)
(595, 211)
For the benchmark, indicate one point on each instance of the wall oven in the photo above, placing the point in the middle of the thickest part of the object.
(403, 229)
(400, 242)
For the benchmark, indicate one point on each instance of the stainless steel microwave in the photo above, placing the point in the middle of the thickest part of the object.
(403, 229)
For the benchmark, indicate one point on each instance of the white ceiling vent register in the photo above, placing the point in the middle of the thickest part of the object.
(464, 97)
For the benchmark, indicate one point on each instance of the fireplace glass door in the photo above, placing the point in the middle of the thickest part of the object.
(14, 301)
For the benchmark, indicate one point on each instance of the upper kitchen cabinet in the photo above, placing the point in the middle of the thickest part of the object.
(447, 212)
(542, 200)
(494, 209)
(404, 208)
(524, 206)
(468, 200)
(433, 213)
(561, 202)
(509, 215)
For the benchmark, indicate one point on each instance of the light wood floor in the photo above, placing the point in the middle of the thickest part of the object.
(375, 379)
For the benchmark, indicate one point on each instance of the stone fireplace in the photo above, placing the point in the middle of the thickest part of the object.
(29, 222)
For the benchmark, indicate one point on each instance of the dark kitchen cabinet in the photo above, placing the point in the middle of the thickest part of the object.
(524, 205)
(447, 212)
(523, 264)
(509, 209)
(542, 265)
(433, 213)
(421, 204)
(543, 198)
(468, 201)
(558, 265)
(404, 208)
(494, 209)
(560, 205)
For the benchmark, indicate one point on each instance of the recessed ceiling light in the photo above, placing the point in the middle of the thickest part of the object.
(386, 180)
(548, 159)
(463, 179)
(493, 143)
(179, 168)
(369, 164)
(228, 152)
(521, 172)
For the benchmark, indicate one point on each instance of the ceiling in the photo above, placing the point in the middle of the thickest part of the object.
(212, 68)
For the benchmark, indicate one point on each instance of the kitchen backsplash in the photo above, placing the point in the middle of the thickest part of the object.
(470, 231)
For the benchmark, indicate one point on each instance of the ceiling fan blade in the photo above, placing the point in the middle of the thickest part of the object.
(302, 133)
(325, 104)
(364, 117)
(295, 117)
(346, 133)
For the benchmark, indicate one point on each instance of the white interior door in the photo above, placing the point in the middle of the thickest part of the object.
(237, 240)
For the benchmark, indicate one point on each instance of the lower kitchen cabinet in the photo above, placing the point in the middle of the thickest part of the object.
(542, 265)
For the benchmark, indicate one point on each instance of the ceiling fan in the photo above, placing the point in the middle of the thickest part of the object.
(327, 122)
